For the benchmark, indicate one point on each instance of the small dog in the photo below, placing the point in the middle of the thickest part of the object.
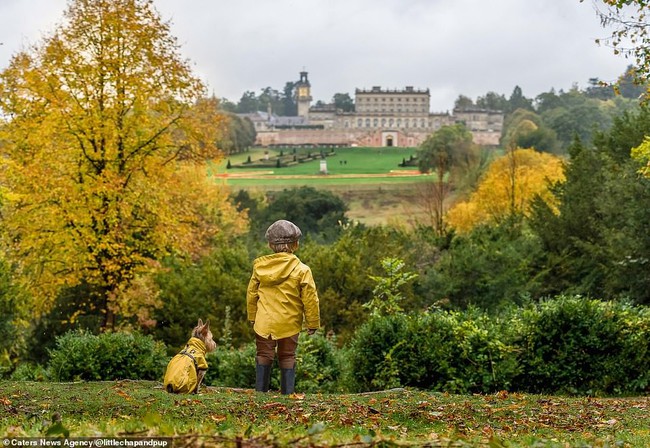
(186, 370)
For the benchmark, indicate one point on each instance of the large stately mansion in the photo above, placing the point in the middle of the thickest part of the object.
(382, 117)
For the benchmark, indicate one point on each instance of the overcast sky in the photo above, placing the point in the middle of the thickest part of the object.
(451, 47)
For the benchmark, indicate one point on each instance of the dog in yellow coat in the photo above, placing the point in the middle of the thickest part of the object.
(186, 370)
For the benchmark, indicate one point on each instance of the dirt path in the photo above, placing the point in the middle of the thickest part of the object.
(271, 175)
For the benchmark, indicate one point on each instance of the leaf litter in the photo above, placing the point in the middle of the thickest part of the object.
(239, 417)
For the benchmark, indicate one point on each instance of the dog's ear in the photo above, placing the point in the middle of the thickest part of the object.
(200, 323)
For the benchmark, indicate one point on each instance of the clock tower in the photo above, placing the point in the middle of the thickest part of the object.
(303, 95)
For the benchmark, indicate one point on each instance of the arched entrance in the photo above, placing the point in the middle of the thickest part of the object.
(389, 138)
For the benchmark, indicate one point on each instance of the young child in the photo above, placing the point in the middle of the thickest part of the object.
(281, 294)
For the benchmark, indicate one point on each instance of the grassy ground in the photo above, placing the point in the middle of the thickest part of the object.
(347, 166)
(223, 417)
(341, 162)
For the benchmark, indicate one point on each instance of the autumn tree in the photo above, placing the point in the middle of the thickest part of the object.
(105, 138)
(642, 154)
(629, 37)
(507, 189)
(441, 152)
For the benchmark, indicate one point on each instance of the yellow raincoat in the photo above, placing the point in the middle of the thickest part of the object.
(281, 294)
(182, 371)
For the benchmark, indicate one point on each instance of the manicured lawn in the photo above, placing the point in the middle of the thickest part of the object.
(360, 167)
(226, 417)
(343, 161)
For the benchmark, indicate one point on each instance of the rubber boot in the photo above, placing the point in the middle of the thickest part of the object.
(287, 381)
(262, 377)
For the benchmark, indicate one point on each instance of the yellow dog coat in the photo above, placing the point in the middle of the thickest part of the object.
(182, 371)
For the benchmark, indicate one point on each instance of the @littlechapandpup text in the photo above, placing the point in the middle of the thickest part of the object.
(88, 442)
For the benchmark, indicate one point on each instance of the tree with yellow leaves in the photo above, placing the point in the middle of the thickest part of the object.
(103, 148)
(508, 187)
(642, 154)
(444, 153)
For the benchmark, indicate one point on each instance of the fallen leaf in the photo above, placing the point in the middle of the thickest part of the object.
(123, 394)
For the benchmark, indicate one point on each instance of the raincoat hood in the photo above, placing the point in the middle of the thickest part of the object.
(275, 269)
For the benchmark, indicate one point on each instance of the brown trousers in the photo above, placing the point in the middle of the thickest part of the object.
(286, 348)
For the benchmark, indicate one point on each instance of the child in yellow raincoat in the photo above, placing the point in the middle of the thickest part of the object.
(281, 295)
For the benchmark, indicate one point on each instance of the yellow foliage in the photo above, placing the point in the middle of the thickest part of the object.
(642, 153)
(104, 155)
(508, 187)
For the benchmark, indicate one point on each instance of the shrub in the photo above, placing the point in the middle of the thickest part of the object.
(584, 346)
(372, 346)
(446, 351)
(232, 367)
(30, 372)
(317, 366)
(80, 355)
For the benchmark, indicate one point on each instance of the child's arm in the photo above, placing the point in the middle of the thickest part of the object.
(309, 297)
(251, 297)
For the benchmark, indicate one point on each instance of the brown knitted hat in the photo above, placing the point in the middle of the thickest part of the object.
(283, 231)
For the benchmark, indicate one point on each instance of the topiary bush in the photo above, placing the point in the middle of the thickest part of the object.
(583, 346)
(79, 355)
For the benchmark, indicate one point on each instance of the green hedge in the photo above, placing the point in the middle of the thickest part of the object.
(446, 351)
(583, 346)
(109, 356)
(565, 345)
